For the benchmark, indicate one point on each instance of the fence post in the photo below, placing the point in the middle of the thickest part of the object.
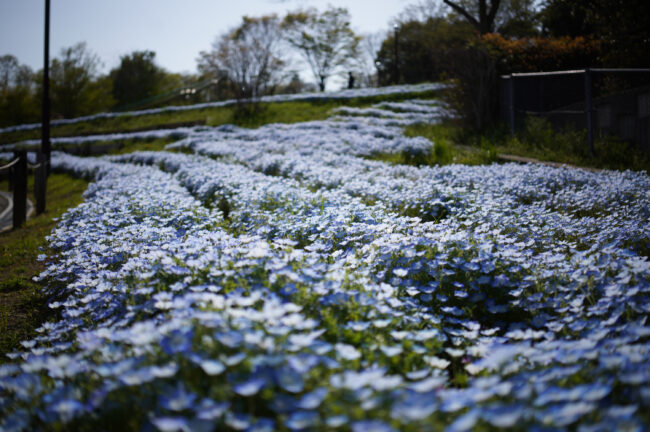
(589, 111)
(40, 181)
(20, 188)
(512, 104)
(11, 179)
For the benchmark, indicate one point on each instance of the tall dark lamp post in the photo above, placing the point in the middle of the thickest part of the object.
(43, 160)
(396, 60)
(45, 112)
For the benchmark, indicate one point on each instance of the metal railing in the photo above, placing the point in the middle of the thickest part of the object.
(182, 92)
(581, 98)
(18, 171)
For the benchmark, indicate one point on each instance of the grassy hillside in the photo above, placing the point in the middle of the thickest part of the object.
(263, 113)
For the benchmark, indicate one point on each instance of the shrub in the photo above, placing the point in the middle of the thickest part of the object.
(477, 67)
(538, 54)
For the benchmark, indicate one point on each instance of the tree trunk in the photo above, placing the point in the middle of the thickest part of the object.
(485, 22)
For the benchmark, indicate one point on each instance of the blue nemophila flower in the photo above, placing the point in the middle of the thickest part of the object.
(418, 374)
(358, 326)
(414, 406)
(347, 352)
(212, 367)
(313, 399)
(371, 426)
(289, 380)
(171, 424)
(234, 359)
(67, 409)
(178, 399)
(436, 362)
(503, 416)
(262, 425)
(177, 341)
(250, 387)
(565, 414)
(238, 421)
(301, 420)
(284, 403)
(303, 363)
(464, 422)
(428, 384)
(208, 409)
(500, 280)
(589, 393)
(231, 339)
(336, 421)
(391, 351)
(137, 377)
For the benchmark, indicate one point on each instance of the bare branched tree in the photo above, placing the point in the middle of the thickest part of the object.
(324, 40)
(421, 11)
(13, 74)
(248, 57)
(369, 47)
(18, 102)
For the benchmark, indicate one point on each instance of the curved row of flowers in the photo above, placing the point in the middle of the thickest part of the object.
(354, 126)
(343, 94)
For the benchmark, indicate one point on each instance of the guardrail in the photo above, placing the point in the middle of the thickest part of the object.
(18, 171)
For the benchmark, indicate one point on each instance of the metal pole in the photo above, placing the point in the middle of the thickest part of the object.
(45, 112)
(589, 113)
(40, 182)
(11, 179)
(20, 188)
(512, 104)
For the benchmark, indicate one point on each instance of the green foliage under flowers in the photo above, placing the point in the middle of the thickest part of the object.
(539, 140)
(448, 146)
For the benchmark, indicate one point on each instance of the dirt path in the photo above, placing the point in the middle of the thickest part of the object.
(522, 159)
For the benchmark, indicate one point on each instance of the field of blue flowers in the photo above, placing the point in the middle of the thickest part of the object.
(282, 279)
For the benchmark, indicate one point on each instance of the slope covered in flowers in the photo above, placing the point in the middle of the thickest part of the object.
(319, 96)
(277, 279)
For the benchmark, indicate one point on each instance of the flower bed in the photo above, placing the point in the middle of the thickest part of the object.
(277, 280)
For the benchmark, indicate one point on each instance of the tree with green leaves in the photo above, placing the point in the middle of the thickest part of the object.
(518, 19)
(18, 100)
(424, 51)
(324, 40)
(136, 78)
(248, 57)
(622, 25)
(75, 85)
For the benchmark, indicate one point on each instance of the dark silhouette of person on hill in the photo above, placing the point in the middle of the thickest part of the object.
(350, 80)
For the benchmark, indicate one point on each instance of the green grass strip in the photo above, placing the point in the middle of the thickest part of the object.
(22, 304)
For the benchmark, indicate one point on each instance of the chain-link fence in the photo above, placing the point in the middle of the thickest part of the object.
(600, 101)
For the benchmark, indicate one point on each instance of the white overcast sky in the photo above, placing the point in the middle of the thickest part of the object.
(177, 30)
